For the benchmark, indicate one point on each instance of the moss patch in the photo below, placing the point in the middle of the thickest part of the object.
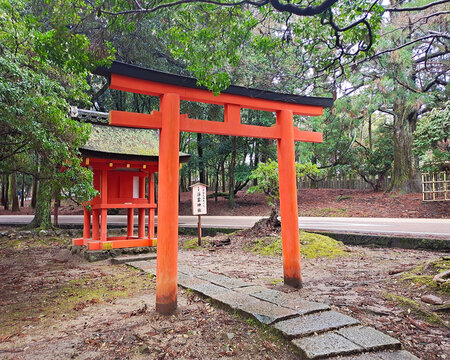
(415, 308)
(311, 246)
(343, 197)
(424, 274)
(23, 242)
(191, 244)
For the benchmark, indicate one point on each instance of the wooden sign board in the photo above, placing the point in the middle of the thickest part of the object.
(199, 199)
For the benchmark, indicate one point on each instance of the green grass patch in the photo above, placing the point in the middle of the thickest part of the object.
(311, 246)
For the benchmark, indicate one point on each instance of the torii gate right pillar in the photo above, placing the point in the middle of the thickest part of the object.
(288, 200)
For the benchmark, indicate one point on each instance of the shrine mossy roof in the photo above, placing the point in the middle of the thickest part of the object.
(122, 143)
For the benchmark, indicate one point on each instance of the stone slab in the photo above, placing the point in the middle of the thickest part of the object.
(183, 277)
(190, 282)
(234, 299)
(397, 355)
(266, 312)
(147, 265)
(314, 323)
(211, 290)
(190, 270)
(223, 280)
(127, 259)
(291, 301)
(232, 283)
(250, 290)
(365, 356)
(369, 338)
(325, 346)
(383, 355)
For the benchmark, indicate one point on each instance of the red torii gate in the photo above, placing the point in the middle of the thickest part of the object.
(171, 89)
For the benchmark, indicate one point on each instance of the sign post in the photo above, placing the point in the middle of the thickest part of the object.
(199, 206)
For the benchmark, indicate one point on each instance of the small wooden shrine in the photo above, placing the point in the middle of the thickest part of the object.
(124, 162)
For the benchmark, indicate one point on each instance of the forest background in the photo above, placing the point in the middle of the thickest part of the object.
(385, 62)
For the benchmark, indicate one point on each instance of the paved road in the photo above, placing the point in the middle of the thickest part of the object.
(386, 226)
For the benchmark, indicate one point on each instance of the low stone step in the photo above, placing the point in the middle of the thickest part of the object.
(383, 355)
(354, 339)
(225, 281)
(325, 346)
(149, 266)
(290, 301)
(306, 325)
(190, 270)
(129, 259)
(266, 312)
(369, 338)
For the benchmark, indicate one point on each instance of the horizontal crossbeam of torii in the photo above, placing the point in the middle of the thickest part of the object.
(171, 89)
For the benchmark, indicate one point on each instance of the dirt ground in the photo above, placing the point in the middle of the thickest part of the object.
(53, 305)
(312, 202)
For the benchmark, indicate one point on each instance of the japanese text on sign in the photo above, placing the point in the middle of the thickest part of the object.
(199, 199)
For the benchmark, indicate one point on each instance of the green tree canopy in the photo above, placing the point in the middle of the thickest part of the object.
(43, 69)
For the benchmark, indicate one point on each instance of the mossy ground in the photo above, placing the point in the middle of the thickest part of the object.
(191, 244)
(34, 241)
(67, 299)
(414, 307)
(311, 246)
(424, 274)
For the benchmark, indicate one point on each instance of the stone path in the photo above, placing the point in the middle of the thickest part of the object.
(315, 330)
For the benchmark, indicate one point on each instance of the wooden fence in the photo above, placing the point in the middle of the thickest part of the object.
(436, 186)
(341, 182)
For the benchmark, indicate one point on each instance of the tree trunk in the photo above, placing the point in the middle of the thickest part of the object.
(42, 218)
(56, 205)
(22, 192)
(216, 185)
(405, 177)
(5, 194)
(255, 164)
(223, 177)
(201, 165)
(14, 193)
(34, 190)
(3, 190)
(231, 180)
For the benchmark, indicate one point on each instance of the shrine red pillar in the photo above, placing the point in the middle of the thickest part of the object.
(130, 222)
(96, 212)
(141, 212)
(288, 200)
(151, 200)
(87, 224)
(104, 201)
(168, 168)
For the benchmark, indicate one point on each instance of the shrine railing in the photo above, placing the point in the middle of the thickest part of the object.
(436, 186)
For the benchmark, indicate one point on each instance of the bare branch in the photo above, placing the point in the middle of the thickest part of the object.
(303, 11)
(417, 8)
(141, 10)
(432, 36)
